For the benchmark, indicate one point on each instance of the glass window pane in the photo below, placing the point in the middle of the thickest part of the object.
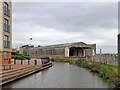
(6, 24)
(6, 41)
(6, 11)
(5, 55)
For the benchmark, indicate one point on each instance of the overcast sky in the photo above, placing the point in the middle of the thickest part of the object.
(66, 22)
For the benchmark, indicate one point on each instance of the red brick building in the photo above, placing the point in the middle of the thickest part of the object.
(77, 49)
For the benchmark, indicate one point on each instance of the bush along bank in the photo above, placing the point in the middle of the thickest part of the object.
(109, 73)
(18, 56)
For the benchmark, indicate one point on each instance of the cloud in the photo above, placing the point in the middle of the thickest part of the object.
(53, 23)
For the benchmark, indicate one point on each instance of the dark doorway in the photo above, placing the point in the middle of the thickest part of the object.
(76, 52)
(71, 51)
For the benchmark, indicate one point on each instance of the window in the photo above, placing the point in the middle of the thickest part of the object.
(6, 10)
(6, 42)
(5, 55)
(6, 25)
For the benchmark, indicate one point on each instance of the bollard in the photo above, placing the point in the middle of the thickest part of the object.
(35, 62)
(14, 61)
(28, 61)
(21, 62)
(9, 60)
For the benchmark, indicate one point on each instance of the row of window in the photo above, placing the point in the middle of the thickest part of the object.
(46, 52)
(7, 29)
(6, 9)
(6, 22)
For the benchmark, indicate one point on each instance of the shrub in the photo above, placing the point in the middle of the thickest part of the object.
(71, 61)
(83, 63)
(52, 59)
(14, 53)
(13, 56)
(105, 72)
(19, 57)
(95, 66)
(27, 57)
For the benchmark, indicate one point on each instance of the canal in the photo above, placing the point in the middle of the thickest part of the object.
(60, 75)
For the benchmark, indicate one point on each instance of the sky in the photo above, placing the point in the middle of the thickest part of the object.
(51, 23)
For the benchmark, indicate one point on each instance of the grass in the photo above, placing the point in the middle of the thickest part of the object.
(108, 73)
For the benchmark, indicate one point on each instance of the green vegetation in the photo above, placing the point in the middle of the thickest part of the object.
(17, 56)
(108, 73)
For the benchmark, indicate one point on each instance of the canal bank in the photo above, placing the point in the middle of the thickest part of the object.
(60, 75)
(15, 74)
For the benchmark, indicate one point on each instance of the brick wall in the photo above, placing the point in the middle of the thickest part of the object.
(1, 57)
(2, 61)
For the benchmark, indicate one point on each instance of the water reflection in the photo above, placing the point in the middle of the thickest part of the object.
(60, 75)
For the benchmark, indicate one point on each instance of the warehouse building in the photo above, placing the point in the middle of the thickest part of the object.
(24, 47)
(78, 49)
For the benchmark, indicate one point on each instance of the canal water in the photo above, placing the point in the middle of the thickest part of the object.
(60, 75)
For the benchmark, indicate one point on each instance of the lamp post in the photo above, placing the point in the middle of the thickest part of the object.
(28, 51)
(30, 41)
